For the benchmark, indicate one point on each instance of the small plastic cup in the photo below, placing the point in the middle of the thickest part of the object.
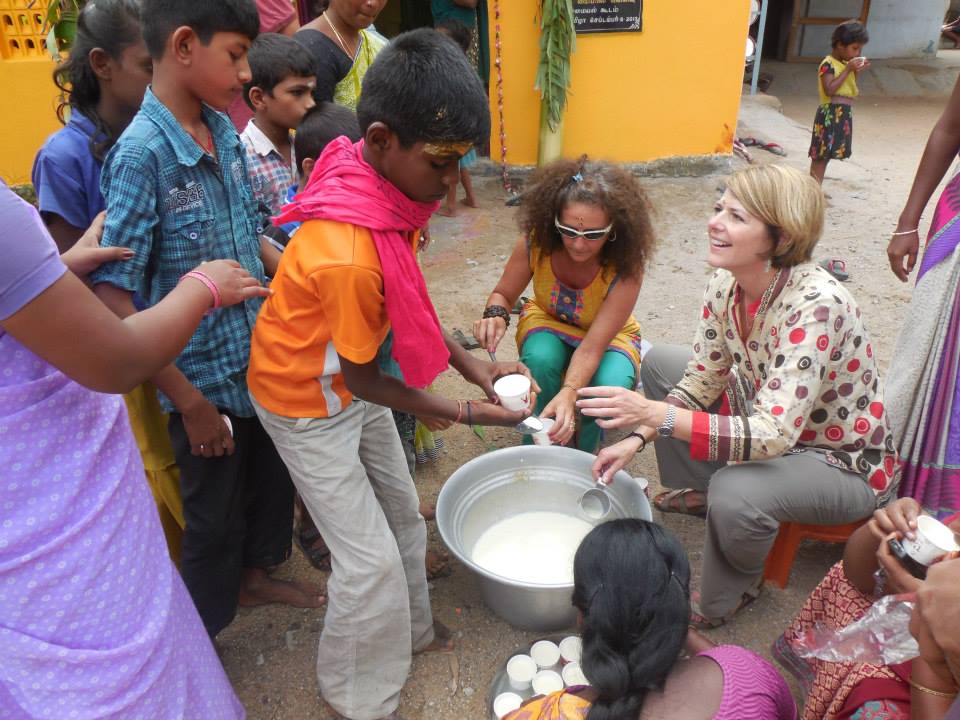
(546, 682)
(570, 649)
(520, 671)
(506, 703)
(933, 540)
(546, 654)
(573, 675)
(543, 437)
(513, 391)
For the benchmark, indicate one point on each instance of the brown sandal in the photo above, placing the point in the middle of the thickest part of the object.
(676, 501)
(699, 621)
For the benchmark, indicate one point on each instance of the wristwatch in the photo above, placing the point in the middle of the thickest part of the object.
(666, 427)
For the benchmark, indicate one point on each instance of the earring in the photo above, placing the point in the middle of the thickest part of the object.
(767, 265)
(613, 237)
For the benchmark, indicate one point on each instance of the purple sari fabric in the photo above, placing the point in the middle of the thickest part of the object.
(934, 479)
(94, 619)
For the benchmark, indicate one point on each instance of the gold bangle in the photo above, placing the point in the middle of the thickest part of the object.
(459, 411)
(931, 691)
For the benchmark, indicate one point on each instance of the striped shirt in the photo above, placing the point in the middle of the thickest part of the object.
(176, 206)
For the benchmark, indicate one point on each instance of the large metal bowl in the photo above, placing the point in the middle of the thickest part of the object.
(503, 483)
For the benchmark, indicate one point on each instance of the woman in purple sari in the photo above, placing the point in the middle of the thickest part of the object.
(94, 619)
(923, 384)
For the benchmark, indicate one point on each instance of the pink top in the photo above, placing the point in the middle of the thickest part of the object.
(752, 688)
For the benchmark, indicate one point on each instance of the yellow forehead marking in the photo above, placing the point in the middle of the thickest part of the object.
(447, 148)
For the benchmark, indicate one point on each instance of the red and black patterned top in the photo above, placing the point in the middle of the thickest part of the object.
(804, 378)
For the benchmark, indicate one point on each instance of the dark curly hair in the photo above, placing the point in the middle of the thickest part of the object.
(599, 183)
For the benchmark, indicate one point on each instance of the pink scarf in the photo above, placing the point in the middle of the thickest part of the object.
(344, 188)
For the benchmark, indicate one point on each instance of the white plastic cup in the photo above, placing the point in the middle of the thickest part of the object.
(570, 649)
(506, 703)
(546, 654)
(573, 675)
(513, 391)
(520, 671)
(543, 437)
(933, 540)
(546, 682)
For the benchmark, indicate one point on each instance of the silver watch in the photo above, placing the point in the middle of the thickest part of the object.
(666, 427)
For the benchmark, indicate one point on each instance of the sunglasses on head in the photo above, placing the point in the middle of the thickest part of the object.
(571, 233)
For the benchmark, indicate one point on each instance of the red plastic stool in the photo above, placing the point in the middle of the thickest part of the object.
(784, 550)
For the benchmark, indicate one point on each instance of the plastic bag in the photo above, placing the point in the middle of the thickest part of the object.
(881, 637)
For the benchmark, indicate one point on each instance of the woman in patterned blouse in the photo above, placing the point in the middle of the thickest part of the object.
(777, 413)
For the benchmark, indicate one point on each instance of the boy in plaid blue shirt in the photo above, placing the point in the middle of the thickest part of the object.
(178, 194)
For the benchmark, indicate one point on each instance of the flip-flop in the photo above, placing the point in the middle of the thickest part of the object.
(837, 268)
(463, 341)
(699, 621)
(319, 557)
(675, 501)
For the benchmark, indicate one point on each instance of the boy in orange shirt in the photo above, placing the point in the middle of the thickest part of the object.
(347, 277)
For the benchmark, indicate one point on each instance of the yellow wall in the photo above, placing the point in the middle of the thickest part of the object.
(673, 89)
(29, 100)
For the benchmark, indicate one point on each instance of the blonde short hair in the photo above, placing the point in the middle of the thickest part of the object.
(789, 202)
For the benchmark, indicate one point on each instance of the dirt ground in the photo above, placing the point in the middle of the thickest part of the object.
(269, 653)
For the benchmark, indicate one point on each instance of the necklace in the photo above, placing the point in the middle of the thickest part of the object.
(208, 148)
(343, 45)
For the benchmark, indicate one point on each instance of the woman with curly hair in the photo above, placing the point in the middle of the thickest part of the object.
(587, 238)
(776, 413)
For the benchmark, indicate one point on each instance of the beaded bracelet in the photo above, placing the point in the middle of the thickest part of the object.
(206, 280)
(469, 416)
(499, 311)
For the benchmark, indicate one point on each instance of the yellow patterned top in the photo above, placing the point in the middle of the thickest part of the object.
(568, 312)
(347, 91)
(849, 86)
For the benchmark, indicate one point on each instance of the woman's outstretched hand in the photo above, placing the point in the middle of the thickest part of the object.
(613, 458)
(233, 282)
(86, 255)
(562, 408)
(489, 332)
(619, 407)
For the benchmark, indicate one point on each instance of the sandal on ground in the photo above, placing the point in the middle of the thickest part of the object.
(463, 341)
(318, 556)
(699, 621)
(837, 268)
(676, 501)
(771, 147)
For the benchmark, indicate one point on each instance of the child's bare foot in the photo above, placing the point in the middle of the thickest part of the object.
(258, 588)
(428, 510)
(470, 201)
(448, 211)
(438, 565)
(442, 640)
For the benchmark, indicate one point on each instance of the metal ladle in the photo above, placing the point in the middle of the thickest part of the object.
(595, 502)
(529, 425)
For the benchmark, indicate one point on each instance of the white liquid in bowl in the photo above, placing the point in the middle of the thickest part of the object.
(534, 547)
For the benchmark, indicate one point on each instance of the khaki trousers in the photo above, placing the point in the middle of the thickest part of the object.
(352, 475)
(746, 502)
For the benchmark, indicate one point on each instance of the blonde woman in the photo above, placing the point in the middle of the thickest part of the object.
(776, 414)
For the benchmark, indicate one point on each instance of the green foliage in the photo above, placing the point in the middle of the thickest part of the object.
(557, 42)
(61, 25)
(26, 192)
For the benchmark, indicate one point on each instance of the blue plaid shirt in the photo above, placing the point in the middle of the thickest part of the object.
(175, 207)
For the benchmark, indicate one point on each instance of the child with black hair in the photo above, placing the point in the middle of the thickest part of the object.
(634, 633)
(461, 35)
(102, 82)
(280, 93)
(346, 279)
(177, 194)
(837, 83)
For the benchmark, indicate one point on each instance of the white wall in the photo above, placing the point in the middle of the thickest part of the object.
(898, 28)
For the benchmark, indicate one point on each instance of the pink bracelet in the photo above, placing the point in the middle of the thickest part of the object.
(211, 285)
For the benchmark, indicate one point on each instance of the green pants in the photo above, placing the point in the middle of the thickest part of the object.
(547, 356)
